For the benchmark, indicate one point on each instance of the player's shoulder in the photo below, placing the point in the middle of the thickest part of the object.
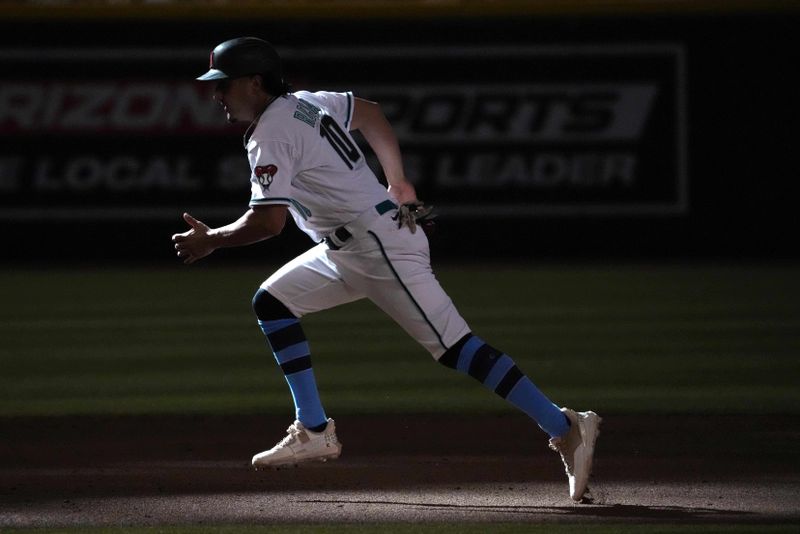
(288, 118)
(321, 95)
(299, 105)
(326, 100)
(276, 123)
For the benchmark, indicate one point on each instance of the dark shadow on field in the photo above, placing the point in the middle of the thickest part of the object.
(50, 457)
(64, 467)
(612, 511)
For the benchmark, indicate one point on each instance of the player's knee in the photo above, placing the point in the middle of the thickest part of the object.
(450, 357)
(473, 356)
(268, 308)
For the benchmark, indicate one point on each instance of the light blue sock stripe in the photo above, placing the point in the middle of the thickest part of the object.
(308, 408)
(468, 352)
(527, 397)
(268, 327)
(295, 351)
(498, 372)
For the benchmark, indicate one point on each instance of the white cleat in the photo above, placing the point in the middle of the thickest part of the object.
(577, 449)
(299, 446)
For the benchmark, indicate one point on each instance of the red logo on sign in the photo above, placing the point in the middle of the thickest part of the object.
(265, 174)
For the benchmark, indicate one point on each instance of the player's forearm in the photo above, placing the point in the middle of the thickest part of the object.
(246, 230)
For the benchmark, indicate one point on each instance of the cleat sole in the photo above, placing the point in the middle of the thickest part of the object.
(590, 445)
(295, 464)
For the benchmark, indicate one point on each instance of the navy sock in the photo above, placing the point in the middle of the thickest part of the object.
(498, 372)
(319, 428)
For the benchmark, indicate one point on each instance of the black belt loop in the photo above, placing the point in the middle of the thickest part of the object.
(342, 234)
(386, 205)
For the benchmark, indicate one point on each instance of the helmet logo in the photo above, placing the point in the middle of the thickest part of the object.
(265, 174)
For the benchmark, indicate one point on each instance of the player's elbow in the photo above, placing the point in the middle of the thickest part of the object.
(275, 225)
(270, 219)
(274, 228)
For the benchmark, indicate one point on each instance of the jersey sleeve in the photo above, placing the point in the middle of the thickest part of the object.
(338, 105)
(272, 167)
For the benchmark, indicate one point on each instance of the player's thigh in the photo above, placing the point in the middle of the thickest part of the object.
(310, 283)
(396, 275)
(420, 305)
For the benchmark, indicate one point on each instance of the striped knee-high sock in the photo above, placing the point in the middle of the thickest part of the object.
(290, 347)
(498, 372)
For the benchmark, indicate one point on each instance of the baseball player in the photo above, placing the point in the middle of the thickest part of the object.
(305, 162)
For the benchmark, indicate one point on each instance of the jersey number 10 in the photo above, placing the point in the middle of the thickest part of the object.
(339, 140)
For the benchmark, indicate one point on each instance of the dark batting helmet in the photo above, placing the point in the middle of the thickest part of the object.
(243, 56)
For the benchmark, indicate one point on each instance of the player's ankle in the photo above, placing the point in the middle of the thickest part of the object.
(318, 428)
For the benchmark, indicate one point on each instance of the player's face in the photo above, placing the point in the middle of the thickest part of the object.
(238, 98)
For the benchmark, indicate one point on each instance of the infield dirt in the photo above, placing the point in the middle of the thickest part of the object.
(141, 470)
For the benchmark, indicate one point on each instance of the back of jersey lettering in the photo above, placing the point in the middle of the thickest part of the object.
(329, 129)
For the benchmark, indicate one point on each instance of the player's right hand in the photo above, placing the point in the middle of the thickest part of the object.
(402, 191)
(413, 214)
(195, 243)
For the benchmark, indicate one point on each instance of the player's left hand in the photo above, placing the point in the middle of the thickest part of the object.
(194, 243)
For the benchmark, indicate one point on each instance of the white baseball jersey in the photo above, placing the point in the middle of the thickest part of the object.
(302, 155)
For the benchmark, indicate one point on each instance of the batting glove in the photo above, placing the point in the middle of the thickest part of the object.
(413, 214)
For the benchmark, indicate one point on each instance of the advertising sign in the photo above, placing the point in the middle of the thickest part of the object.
(503, 131)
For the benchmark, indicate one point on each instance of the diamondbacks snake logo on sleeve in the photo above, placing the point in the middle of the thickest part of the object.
(265, 174)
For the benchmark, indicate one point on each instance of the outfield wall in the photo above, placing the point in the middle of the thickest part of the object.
(536, 134)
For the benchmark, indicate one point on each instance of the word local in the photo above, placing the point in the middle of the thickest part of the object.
(116, 174)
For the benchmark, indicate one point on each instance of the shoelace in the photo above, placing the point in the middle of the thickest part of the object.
(292, 432)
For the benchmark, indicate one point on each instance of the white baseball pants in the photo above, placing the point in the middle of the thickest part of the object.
(388, 265)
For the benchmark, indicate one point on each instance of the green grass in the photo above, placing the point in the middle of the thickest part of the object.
(429, 528)
(630, 339)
